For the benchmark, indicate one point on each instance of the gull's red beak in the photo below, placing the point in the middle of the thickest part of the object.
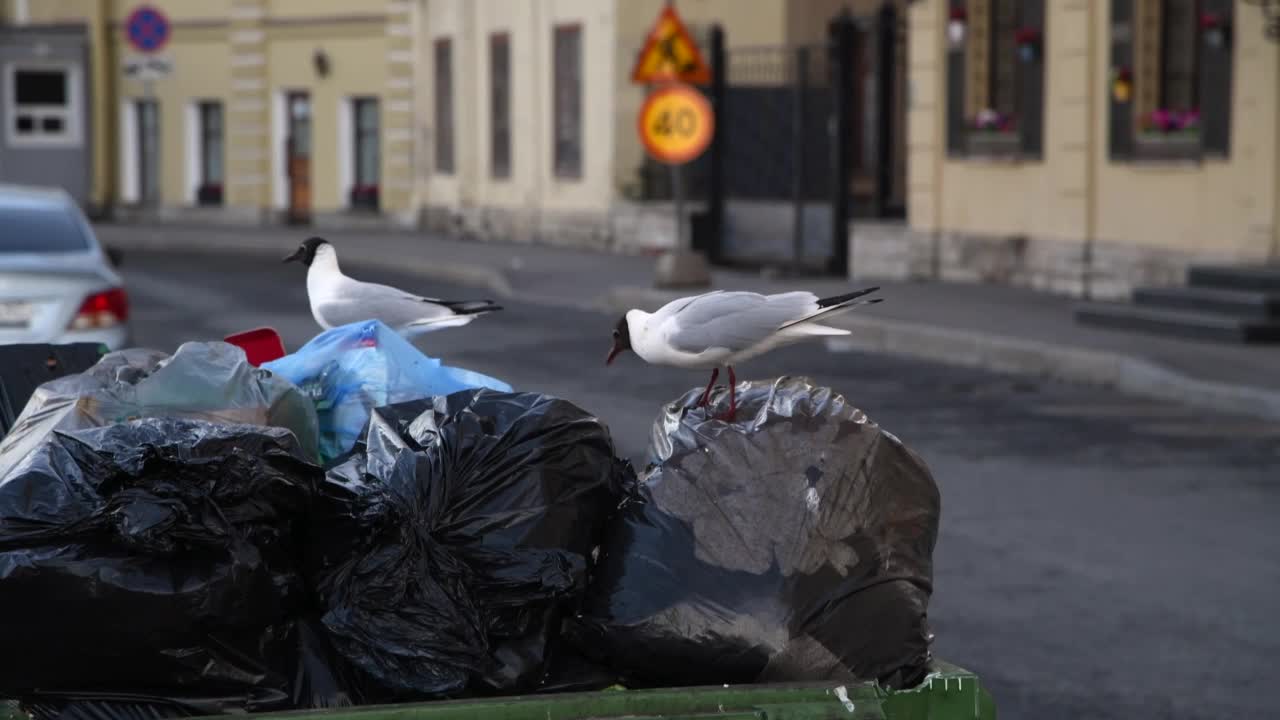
(613, 353)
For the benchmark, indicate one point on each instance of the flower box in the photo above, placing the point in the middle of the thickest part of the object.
(994, 143)
(1181, 145)
(364, 197)
(210, 194)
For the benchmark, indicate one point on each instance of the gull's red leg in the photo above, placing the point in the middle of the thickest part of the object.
(733, 395)
(732, 414)
(706, 394)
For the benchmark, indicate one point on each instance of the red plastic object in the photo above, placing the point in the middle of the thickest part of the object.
(260, 345)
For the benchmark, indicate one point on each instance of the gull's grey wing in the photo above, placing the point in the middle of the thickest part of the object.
(367, 301)
(735, 320)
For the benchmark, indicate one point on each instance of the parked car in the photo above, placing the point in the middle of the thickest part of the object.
(57, 283)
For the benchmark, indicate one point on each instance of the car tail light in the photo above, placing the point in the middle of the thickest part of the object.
(102, 310)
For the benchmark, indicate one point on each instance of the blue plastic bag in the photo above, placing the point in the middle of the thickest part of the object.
(350, 370)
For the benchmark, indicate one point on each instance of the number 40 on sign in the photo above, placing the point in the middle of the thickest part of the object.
(676, 124)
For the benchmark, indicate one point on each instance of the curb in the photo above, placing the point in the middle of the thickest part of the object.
(444, 271)
(999, 353)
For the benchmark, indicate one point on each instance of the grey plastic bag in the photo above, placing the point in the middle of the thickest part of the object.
(792, 545)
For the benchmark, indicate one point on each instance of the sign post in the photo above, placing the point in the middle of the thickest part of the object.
(676, 125)
(147, 30)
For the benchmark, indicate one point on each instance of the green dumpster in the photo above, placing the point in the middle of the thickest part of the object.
(948, 693)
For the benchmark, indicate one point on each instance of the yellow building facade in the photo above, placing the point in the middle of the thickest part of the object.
(394, 111)
(269, 109)
(1101, 205)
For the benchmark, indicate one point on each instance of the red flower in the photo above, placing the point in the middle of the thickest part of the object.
(1210, 21)
(959, 13)
(1026, 35)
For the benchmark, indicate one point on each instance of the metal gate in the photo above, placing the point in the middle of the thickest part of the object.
(805, 140)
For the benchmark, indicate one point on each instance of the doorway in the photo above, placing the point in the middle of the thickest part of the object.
(298, 156)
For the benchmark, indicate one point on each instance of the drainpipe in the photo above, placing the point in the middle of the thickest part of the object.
(21, 12)
(1274, 255)
(940, 135)
(108, 110)
(1092, 151)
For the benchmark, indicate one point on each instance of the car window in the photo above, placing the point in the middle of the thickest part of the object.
(36, 230)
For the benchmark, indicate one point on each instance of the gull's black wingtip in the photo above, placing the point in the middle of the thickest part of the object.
(842, 299)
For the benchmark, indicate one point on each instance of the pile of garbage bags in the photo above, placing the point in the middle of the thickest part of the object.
(190, 535)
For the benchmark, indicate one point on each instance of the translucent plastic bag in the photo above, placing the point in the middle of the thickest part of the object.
(203, 381)
(350, 370)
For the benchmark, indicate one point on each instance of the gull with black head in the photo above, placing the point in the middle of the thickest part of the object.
(337, 299)
(723, 329)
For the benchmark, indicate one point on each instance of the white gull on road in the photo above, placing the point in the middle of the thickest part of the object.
(339, 300)
(722, 329)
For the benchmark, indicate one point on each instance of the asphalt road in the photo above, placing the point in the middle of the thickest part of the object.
(1101, 556)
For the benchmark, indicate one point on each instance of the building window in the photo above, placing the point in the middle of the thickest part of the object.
(1171, 78)
(567, 122)
(148, 123)
(995, 77)
(444, 107)
(41, 105)
(368, 154)
(209, 191)
(500, 105)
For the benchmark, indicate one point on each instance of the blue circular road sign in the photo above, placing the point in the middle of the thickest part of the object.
(147, 29)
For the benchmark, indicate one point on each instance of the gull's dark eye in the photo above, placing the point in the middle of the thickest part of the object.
(617, 334)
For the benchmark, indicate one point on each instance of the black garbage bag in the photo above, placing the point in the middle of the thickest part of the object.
(457, 538)
(159, 558)
(792, 545)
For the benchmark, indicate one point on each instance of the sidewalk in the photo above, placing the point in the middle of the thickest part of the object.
(991, 327)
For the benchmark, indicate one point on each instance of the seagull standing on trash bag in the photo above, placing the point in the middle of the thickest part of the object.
(338, 300)
(723, 329)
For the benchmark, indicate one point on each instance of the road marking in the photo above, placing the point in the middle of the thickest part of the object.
(1211, 429)
(1137, 409)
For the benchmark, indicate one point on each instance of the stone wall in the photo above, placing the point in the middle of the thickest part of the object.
(1109, 270)
(627, 228)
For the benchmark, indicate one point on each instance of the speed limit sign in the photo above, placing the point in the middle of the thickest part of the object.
(676, 124)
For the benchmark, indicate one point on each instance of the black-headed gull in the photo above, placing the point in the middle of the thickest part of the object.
(339, 300)
(722, 329)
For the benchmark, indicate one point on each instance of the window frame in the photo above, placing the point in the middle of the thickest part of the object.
(565, 165)
(443, 86)
(975, 128)
(1132, 97)
(209, 190)
(365, 195)
(1156, 144)
(500, 155)
(72, 133)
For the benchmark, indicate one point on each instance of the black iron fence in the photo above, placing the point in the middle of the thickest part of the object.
(807, 137)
